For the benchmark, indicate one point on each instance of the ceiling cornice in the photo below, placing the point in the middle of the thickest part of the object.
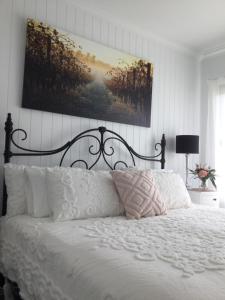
(211, 51)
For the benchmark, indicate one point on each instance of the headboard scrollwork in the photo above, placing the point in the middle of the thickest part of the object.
(102, 149)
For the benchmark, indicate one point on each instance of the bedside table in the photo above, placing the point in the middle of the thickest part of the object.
(208, 198)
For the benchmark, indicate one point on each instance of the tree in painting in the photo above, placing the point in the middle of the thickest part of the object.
(71, 75)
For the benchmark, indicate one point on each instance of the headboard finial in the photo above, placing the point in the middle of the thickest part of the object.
(163, 141)
(8, 123)
(101, 129)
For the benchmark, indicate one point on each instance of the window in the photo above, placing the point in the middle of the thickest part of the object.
(215, 133)
(220, 135)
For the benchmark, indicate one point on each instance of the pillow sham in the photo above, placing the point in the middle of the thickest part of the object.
(15, 183)
(172, 189)
(26, 190)
(28, 196)
(37, 204)
(138, 193)
(75, 193)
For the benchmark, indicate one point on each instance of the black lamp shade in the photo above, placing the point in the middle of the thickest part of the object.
(187, 144)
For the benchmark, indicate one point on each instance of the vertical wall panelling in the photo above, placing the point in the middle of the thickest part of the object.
(43, 10)
(5, 55)
(175, 106)
(50, 15)
(35, 137)
(25, 120)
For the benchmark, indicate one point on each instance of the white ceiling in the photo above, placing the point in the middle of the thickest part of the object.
(196, 24)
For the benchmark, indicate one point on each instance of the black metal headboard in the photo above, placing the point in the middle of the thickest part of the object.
(100, 152)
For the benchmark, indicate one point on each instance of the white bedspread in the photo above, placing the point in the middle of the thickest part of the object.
(178, 256)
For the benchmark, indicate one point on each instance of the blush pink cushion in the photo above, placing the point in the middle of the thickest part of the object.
(139, 194)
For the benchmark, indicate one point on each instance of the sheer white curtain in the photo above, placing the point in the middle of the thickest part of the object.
(215, 131)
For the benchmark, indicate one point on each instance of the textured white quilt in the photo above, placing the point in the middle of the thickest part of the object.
(178, 256)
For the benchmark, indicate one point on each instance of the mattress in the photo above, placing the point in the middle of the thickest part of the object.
(177, 256)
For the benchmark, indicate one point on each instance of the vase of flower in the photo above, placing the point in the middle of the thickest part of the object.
(203, 173)
(204, 185)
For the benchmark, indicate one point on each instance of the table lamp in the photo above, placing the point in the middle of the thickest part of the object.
(187, 144)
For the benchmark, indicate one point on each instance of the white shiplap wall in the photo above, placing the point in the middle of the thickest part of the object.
(175, 107)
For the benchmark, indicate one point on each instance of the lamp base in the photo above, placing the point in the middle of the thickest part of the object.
(186, 182)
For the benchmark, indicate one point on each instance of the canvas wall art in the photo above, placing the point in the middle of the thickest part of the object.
(68, 74)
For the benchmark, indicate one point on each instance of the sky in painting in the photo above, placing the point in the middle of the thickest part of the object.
(108, 55)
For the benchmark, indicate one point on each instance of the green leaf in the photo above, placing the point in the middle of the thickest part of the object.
(213, 183)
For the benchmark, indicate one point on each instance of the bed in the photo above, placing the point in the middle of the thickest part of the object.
(179, 255)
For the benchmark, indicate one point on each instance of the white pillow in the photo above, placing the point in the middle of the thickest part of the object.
(37, 204)
(28, 196)
(75, 193)
(162, 171)
(26, 190)
(172, 189)
(15, 184)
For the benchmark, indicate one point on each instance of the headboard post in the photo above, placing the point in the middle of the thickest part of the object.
(8, 132)
(163, 147)
(7, 156)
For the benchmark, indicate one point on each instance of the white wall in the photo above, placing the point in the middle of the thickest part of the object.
(175, 107)
(212, 67)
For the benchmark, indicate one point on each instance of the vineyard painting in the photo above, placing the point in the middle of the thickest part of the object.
(68, 74)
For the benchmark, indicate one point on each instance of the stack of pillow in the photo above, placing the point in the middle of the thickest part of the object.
(74, 193)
